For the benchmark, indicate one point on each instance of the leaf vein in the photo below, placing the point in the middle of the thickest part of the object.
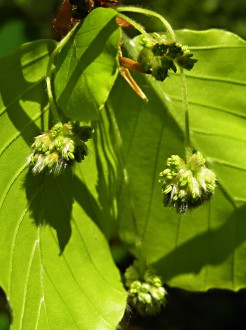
(27, 277)
(155, 171)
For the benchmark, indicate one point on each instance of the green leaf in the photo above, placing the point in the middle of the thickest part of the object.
(88, 66)
(205, 248)
(56, 266)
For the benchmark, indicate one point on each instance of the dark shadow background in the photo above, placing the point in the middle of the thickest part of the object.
(27, 20)
(212, 310)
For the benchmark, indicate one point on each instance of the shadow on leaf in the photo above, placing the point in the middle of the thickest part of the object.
(212, 247)
(50, 202)
(51, 199)
(26, 96)
(90, 55)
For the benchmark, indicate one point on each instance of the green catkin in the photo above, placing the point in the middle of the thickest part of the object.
(160, 55)
(186, 185)
(145, 292)
(59, 148)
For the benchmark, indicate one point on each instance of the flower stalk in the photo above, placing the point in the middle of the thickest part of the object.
(148, 12)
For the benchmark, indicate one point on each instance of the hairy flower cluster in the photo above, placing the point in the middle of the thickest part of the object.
(187, 185)
(160, 56)
(145, 293)
(59, 148)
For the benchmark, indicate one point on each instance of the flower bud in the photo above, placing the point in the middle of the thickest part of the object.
(145, 287)
(144, 298)
(135, 287)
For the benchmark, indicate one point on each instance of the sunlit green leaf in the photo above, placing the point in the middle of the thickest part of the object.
(56, 267)
(205, 248)
(88, 66)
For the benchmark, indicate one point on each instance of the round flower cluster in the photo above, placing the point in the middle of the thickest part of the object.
(160, 55)
(59, 148)
(145, 293)
(187, 185)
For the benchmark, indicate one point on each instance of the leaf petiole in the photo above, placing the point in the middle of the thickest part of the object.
(49, 72)
(136, 25)
(148, 12)
(186, 114)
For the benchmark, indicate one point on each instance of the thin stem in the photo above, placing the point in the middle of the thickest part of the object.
(53, 105)
(51, 96)
(142, 262)
(137, 26)
(186, 113)
(150, 13)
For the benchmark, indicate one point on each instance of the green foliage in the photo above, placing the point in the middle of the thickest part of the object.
(206, 247)
(56, 265)
(53, 256)
(89, 62)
